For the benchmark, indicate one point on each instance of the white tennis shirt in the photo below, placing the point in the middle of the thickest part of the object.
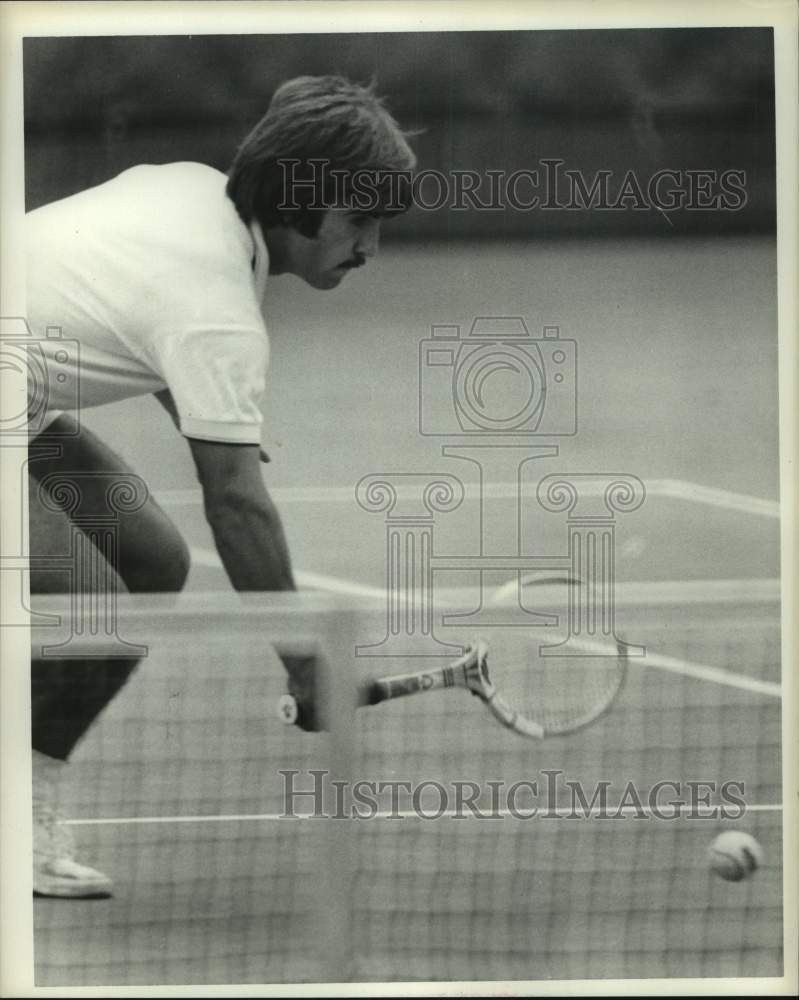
(157, 278)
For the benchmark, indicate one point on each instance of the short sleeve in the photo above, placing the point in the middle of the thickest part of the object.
(217, 380)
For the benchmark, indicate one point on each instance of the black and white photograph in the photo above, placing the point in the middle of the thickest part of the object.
(397, 512)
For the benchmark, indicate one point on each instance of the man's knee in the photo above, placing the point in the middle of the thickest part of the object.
(177, 564)
(166, 569)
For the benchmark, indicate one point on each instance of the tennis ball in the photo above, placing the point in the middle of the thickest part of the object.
(735, 855)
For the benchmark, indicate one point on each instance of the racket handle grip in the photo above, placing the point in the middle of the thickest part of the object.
(371, 693)
(386, 688)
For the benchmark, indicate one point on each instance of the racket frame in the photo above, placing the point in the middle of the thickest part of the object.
(470, 672)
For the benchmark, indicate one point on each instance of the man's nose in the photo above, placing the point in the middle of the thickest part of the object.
(369, 239)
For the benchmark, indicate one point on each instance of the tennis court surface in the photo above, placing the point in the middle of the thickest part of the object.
(178, 793)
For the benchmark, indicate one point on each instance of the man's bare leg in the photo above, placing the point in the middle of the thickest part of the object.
(68, 694)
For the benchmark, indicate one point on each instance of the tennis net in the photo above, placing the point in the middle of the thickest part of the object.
(194, 796)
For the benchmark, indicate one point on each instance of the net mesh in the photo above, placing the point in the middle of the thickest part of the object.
(177, 793)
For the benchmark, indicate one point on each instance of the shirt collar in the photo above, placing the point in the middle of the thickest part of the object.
(261, 261)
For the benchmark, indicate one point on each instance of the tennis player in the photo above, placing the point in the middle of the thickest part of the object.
(161, 276)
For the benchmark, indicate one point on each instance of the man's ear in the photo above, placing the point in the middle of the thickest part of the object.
(295, 221)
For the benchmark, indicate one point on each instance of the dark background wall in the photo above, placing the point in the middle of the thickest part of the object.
(640, 100)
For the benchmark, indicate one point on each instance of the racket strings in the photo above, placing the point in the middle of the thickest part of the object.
(560, 694)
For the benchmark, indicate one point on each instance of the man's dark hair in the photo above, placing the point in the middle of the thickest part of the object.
(324, 142)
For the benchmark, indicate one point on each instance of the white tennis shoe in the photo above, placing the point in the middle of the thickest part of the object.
(55, 871)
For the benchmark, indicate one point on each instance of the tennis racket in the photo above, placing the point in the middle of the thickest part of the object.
(535, 697)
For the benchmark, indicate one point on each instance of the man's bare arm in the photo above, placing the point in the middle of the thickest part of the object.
(245, 523)
(251, 542)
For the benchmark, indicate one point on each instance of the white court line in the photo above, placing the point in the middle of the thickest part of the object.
(655, 593)
(641, 594)
(696, 671)
(695, 493)
(209, 559)
(670, 591)
(561, 812)
(677, 489)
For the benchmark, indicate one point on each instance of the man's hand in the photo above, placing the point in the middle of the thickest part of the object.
(301, 671)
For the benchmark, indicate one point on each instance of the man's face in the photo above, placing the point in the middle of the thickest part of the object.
(345, 240)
